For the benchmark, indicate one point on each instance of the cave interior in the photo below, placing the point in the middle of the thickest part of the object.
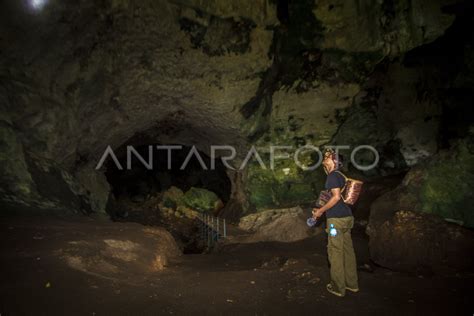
(110, 112)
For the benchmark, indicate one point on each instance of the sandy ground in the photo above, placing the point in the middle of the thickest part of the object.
(239, 279)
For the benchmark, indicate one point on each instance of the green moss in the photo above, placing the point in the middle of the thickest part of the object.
(290, 194)
(262, 195)
(448, 185)
(201, 200)
(285, 186)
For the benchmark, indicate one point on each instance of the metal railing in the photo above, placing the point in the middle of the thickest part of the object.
(212, 229)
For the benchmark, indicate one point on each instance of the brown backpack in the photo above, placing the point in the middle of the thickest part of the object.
(351, 191)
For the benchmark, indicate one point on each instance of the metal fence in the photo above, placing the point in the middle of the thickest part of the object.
(212, 229)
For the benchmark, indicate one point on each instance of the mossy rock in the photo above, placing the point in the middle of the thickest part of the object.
(201, 200)
(447, 189)
(441, 186)
(172, 197)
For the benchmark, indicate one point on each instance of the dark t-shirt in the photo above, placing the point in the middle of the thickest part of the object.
(336, 180)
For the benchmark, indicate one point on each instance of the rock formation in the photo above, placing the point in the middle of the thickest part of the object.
(78, 78)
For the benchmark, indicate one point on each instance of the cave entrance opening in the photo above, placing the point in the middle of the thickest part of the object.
(167, 194)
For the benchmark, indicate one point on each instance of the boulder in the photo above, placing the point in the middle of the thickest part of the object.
(172, 205)
(412, 226)
(95, 183)
(182, 210)
(114, 251)
(202, 200)
(284, 225)
(414, 241)
(44, 186)
(172, 196)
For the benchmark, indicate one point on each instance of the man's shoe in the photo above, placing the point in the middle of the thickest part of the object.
(332, 291)
(352, 290)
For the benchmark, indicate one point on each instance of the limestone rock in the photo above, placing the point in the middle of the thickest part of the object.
(261, 11)
(400, 124)
(284, 225)
(17, 183)
(393, 27)
(414, 241)
(129, 69)
(106, 253)
(34, 182)
(97, 187)
(416, 128)
(441, 186)
(406, 226)
(309, 114)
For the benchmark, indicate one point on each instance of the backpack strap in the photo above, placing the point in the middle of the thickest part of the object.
(345, 184)
(345, 178)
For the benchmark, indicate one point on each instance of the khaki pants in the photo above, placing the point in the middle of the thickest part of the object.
(341, 255)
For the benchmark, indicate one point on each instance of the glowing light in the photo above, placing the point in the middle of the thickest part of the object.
(38, 4)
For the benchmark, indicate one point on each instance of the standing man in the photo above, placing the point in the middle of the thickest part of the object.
(340, 250)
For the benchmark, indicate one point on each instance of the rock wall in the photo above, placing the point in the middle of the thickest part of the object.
(78, 77)
(85, 76)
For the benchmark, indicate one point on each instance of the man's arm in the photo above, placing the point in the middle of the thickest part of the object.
(336, 196)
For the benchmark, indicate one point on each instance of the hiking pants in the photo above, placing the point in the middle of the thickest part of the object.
(341, 255)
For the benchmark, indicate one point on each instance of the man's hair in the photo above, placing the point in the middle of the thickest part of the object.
(336, 158)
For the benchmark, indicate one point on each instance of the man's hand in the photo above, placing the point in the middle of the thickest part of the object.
(317, 212)
(336, 196)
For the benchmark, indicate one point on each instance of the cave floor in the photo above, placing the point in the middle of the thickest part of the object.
(266, 278)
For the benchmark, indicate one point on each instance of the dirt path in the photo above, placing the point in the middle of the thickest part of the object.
(240, 279)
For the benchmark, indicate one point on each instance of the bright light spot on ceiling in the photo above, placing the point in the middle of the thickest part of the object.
(38, 4)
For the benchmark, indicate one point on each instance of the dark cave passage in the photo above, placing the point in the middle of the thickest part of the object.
(139, 182)
(165, 188)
